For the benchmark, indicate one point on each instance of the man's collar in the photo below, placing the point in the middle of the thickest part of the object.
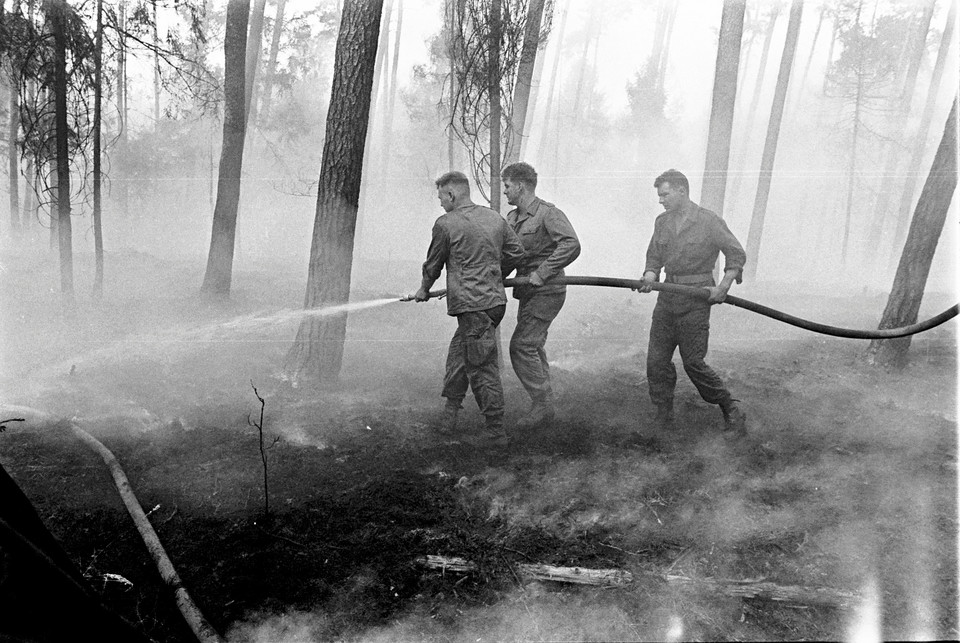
(530, 208)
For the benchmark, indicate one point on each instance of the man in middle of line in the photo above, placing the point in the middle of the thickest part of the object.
(550, 244)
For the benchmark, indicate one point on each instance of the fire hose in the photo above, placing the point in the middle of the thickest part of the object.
(703, 293)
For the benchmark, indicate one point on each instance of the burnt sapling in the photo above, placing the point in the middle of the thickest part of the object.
(263, 455)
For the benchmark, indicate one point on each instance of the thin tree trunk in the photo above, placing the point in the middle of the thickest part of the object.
(901, 120)
(97, 116)
(535, 84)
(754, 102)
(254, 44)
(156, 66)
(388, 112)
(773, 133)
(548, 116)
(722, 107)
(920, 139)
(123, 187)
(271, 71)
(219, 272)
(584, 64)
(57, 12)
(833, 44)
(13, 161)
(813, 50)
(521, 90)
(317, 353)
(665, 53)
(855, 140)
(493, 87)
(903, 306)
(376, 92)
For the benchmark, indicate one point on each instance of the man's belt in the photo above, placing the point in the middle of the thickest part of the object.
(689, 279)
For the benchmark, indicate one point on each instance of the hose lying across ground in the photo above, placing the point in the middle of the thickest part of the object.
(703, 293)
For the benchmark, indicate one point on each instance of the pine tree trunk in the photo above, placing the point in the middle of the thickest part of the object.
(854, 143)
(493, 89)
(722, 108)
(903, 306)
(392, 102)
(754, 102)
(156, 67)
(97, 116)
(317, 353)
(13, 161)
(920, 139)
(900, 122)
(254, 44)
(521, 90)
(548, 115)
(271, 70)
(123, 184)
(773, 133)
(216, 280)
(56, 10)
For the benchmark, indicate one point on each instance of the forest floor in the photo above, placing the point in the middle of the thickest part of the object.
(846, 482)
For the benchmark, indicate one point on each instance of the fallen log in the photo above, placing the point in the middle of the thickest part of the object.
(761, 590)
(793, 594)
(578, 575)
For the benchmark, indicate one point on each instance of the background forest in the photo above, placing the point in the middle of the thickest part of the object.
(189, 181)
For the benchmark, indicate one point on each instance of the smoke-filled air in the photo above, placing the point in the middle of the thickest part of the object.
(478, 320)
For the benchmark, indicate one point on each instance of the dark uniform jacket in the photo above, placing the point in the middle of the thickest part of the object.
(549, 241)
(477, 247)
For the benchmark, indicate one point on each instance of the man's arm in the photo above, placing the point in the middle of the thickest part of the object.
(734, 260)
(654, 262)
(436, 258)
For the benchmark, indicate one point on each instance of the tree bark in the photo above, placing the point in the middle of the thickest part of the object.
(317, 353)
(97, 116)
(722, 107)
(773, 133)
(271, 70)
(56, 10)
(929, 217)
(216, 280)
(123, 186)
(522, 87)
(920, 140)
(254, 43)
(493, 88)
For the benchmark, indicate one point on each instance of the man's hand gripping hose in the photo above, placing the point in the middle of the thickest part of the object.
(704, 293)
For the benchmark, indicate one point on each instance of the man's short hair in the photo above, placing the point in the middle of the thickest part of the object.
(674, 178)
(520, 172)
(458, 179)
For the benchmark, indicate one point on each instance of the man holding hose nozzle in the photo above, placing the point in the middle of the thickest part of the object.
(550, 244)
(477, 248)
(686, 242)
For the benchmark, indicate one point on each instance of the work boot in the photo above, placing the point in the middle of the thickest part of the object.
(539, 415)
(734, 419)
(663, 419)
(448, 420)
(493, 435)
